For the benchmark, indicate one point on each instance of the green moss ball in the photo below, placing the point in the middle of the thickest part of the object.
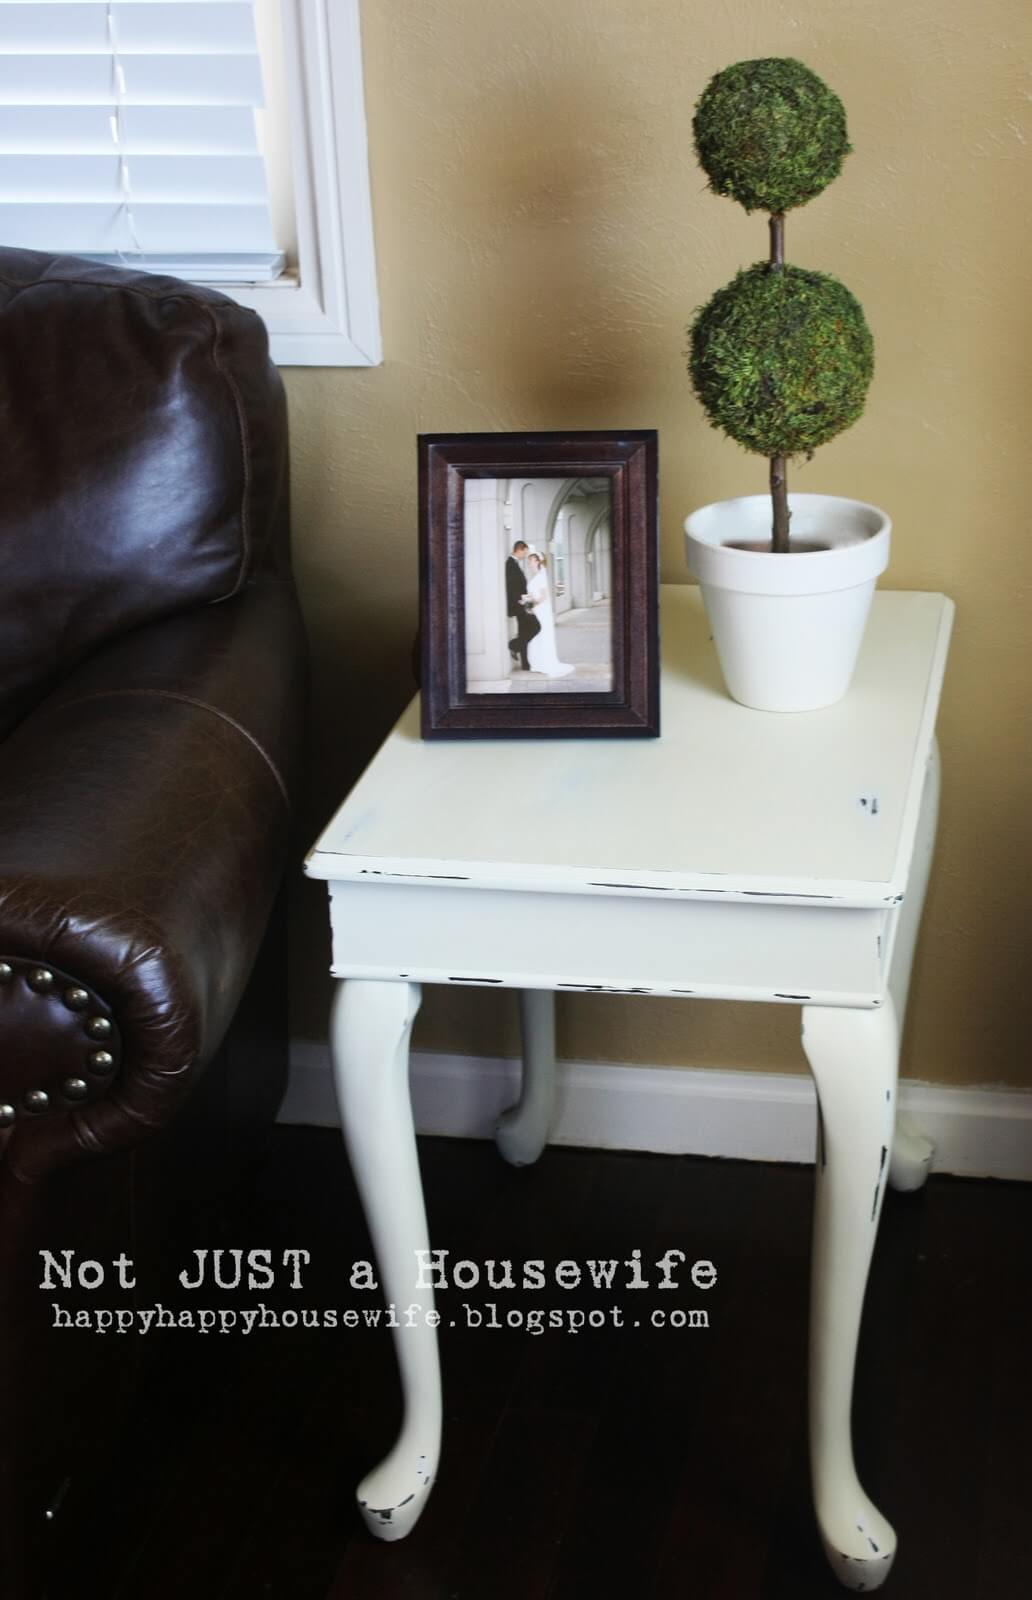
(770, 134)
(781, 360)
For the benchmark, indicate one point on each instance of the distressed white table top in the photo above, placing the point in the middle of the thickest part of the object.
(727, 802)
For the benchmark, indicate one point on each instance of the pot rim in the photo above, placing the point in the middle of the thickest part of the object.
(858, 555)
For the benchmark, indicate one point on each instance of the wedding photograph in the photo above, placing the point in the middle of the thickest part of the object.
(539, 579)
(538, 585)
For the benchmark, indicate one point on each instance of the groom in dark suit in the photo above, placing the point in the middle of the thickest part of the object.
(527, 624)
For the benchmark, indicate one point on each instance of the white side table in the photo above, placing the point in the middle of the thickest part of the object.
(741, 856)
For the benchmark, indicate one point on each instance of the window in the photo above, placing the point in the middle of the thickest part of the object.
(128, 131)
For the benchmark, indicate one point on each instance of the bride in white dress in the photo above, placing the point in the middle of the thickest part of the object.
(541, 652)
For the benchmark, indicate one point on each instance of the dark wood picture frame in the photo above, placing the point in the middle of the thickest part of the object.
(629, 459)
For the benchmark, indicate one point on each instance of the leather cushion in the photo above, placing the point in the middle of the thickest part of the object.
(129, 413)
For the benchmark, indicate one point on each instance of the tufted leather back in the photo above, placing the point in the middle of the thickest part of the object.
(142, 460)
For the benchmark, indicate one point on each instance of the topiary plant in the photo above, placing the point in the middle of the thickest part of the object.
(781, 358)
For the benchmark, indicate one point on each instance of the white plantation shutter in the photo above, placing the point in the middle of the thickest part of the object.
(127, 132)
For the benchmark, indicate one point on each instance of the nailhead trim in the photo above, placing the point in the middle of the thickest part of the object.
(37, 1102)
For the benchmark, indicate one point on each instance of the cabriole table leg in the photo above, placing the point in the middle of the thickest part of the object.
(522, 1131)
(912, 1152)
(369, 1038)
(853, 1057)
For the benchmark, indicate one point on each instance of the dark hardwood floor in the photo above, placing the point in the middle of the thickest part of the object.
(610, 1462)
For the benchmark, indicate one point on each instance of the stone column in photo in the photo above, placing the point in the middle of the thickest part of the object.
(563, 539)
(584, 516)
(600, 562)
(576, 543)
(486, 540)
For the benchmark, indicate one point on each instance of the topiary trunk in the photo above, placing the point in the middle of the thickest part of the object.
(779, 538)
(779, 498)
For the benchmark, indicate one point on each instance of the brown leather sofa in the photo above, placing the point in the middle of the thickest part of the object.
(151, 689)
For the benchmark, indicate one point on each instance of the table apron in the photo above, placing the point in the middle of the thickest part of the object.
(795, 954)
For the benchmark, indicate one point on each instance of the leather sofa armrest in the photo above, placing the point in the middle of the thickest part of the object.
(145, 812)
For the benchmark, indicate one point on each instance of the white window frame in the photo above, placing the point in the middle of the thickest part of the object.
(327, 313)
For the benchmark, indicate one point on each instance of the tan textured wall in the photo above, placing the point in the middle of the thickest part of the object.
(543, 236)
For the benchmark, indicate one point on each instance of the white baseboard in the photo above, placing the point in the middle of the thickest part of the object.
(752, 1116)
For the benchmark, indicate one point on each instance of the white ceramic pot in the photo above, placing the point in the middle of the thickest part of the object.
(788, 628)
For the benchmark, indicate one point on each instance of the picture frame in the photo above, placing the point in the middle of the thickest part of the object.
(559, 638)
